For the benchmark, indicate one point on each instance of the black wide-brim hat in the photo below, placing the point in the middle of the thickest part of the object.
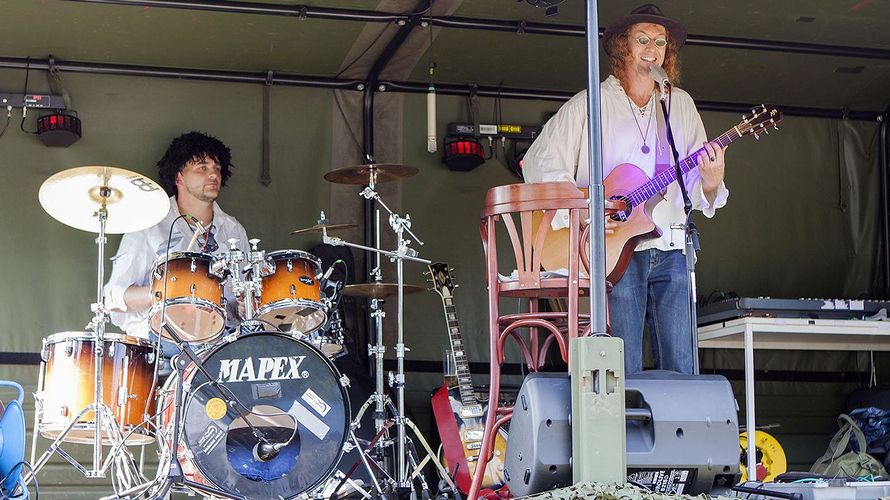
(648, 13)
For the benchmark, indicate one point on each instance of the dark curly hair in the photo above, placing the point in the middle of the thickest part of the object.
(620, 50)
(193, 146)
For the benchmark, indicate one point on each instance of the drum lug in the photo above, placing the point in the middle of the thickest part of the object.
(344, 381)
(150, 357)
(293, 289)
(112, 348)
(194, 265)
(63, 411)
(193, 289)
(69, 347)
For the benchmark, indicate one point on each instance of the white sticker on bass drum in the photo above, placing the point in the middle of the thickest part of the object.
(315, 401)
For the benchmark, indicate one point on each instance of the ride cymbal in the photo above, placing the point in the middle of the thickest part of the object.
(133, 201)
(378, 290)
(319, 227)
(361, 174)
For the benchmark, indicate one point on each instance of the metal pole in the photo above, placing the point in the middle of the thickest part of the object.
(597, 244)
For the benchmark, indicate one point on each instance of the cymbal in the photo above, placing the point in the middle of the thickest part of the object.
(133, 201)
(319, 227)
(360, 174)
(378, 290)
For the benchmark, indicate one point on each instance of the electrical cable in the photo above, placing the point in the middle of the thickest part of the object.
(25, 93)
(8, 120)
(11, 472)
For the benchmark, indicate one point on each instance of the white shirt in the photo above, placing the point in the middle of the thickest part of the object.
(562, 147)
(139, 251)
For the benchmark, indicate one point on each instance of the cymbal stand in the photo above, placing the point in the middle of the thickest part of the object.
(102, 414)
(400, 226)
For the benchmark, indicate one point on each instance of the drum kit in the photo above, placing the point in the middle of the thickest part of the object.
(258, 412)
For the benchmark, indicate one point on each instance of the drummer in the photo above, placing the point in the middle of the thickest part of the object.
(192, 172)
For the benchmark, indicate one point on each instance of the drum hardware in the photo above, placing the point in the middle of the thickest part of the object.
(136, 203)
(370, 175)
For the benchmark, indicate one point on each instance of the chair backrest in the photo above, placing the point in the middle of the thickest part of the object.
(533, 206)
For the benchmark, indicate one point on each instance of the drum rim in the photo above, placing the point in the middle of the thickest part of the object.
(334, 370)
(138, 436)
(122, 338)
(181, 255)
(301, 253)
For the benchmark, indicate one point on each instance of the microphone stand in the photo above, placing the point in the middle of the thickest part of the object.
(692, 244)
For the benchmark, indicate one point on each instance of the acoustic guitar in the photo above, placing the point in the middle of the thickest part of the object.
(630, 185)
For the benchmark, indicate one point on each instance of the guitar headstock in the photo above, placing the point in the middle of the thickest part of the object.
(440, 277)
(761, 119)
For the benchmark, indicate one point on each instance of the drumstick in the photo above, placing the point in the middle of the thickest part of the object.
(193, 240)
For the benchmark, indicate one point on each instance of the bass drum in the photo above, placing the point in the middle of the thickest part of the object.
(290, 392)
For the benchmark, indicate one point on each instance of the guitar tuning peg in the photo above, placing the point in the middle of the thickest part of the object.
(756, 136)
(766, 131)
(776, 126)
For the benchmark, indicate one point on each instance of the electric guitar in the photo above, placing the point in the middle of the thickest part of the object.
(629, 184)
(466, 411)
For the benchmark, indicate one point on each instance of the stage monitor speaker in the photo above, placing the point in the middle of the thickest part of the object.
(682, 433)
(12, 444)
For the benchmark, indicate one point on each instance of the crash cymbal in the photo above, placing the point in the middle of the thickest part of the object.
(319, 227)
(134, 202)
(378, 290)
(361, 174)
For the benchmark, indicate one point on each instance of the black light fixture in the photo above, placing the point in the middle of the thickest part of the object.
(59, 129)
(463, 154)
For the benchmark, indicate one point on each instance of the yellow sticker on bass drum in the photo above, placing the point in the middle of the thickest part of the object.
(215, 408)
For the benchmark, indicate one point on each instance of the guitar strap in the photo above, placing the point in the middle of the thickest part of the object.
(662, 146)
(451, 443)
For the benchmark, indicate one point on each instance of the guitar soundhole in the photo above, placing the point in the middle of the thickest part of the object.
(622, 215)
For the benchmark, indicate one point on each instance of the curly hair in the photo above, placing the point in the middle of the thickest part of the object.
(193, 146)
(620, 50)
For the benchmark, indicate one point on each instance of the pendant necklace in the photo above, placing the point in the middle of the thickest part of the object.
(644, 148)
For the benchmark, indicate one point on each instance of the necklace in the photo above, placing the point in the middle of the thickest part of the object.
(644, 148)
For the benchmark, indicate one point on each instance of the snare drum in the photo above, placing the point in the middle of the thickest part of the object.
(68, 386)
(195, 302)
(293, 394)
(291, 297)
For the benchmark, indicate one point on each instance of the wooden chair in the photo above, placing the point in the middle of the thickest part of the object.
(526, 211)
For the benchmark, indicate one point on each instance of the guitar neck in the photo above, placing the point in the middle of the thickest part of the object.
(464, 380)
(664, 179)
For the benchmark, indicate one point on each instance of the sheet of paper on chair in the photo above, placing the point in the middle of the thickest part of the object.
(556, 273)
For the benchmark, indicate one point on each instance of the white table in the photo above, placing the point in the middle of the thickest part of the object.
(793, 334)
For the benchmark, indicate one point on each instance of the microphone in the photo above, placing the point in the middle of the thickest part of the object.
(324, 277)
(657, 73)
(431, 120)
(268, 451)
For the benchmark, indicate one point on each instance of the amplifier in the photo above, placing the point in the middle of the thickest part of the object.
(682, 433)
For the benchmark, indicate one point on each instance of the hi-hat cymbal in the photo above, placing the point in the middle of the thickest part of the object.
(361, 174)
(133, 201)
(319, 227)
(378, 290)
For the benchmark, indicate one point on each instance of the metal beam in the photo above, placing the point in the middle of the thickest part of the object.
(391, 86)
(518, 26)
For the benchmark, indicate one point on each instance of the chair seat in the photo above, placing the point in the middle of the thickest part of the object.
(549, 288)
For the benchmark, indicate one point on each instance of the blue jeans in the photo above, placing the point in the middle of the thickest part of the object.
(654, 288)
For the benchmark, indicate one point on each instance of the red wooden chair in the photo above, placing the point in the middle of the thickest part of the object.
(525, 211)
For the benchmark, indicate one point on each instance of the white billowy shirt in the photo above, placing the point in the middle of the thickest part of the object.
(560, 153)
(139, 251)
